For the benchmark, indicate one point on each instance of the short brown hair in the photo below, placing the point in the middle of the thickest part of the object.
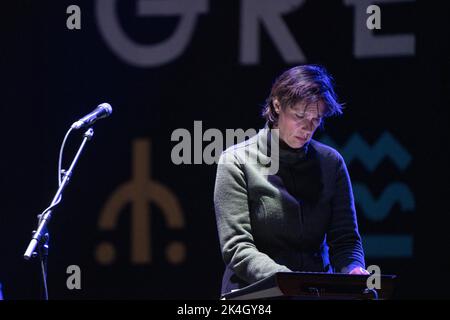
(306, 83)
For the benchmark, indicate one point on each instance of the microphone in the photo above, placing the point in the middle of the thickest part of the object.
(102, 111)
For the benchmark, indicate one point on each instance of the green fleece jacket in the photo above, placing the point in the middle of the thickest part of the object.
(300, 218)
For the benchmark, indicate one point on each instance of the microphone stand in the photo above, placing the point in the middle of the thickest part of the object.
(41, 237)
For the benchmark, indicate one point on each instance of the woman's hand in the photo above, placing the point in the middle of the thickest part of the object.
(359, 270)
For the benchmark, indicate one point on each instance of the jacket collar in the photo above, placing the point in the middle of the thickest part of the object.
(270, 146)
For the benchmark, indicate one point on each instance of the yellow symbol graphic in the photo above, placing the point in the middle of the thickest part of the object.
(140, 191)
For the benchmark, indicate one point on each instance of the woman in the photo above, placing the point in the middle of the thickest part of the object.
(303, 217)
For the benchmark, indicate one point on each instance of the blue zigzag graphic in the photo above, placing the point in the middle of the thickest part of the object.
(377, 210)
(386, 146)
(380, 245)
(388, 246)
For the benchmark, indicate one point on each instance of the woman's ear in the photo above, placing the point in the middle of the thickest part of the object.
(276, 106)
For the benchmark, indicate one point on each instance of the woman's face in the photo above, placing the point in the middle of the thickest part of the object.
(298, 124)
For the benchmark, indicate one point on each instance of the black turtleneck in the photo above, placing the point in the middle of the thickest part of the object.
(300, 172)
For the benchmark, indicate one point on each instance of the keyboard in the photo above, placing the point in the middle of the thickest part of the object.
(315, 285)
